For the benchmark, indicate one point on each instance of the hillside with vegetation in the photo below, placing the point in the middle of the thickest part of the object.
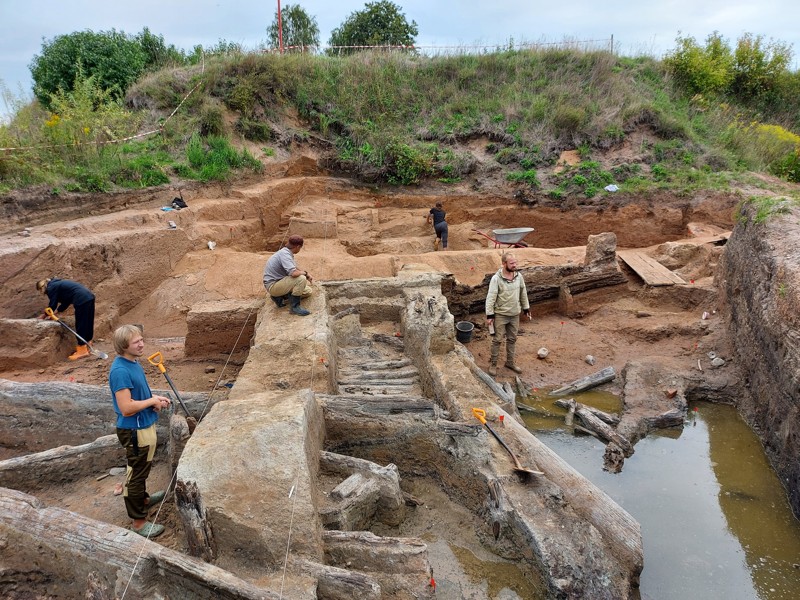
(707, 116)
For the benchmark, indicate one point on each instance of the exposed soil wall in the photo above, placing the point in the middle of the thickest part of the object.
(760, 276)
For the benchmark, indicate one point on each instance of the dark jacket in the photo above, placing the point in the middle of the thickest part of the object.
(63, 292)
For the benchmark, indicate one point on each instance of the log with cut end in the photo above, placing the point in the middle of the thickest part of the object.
(586, 383)
(571, 404)
(604, 430)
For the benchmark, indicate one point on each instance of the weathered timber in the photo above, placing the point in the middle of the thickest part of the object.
(352, 505)
(61, 465)
(340, 584)
(613, 458)
(61, 543)
(604, 430)
(391, 504)
(523, 389)
(672, 418)
(378, 382)
(400, 565)
(367, 552)
(179, 434)
(649, 269)
(496, 388)
(583, 430)
(379, 365)
(585, 383)
(454, 428)
(377, 405)
(368, 391)
(379, 374)
(571, 407)
(610, 418)
(353, 310)
(40, 416)
(199, 535)
(390, 340)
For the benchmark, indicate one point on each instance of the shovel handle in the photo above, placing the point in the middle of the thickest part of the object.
(156, 359)
(49, 312)
(479, 414)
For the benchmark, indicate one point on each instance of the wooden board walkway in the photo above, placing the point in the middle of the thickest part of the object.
(649, 269)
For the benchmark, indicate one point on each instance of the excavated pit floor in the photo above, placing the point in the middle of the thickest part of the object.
(376, 236)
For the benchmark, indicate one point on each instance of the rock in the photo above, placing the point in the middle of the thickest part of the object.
(117, 471)
(543, 352)
(589, 359)
(670, 393)
(717, 362)
(640, 314)
(210, 370)
(712, 355)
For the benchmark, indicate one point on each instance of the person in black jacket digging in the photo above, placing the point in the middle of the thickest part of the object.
(62, 293)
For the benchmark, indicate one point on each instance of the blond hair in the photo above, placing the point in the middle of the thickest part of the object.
(123, 336)
(506, 256)
(41, 285)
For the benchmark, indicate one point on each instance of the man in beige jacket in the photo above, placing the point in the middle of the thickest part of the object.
(507, 298)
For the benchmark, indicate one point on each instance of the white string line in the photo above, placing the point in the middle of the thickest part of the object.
(313, 372)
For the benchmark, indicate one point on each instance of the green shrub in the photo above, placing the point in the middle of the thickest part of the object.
(530, 177)
(407, 165)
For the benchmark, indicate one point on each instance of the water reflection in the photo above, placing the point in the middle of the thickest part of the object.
(715, 519)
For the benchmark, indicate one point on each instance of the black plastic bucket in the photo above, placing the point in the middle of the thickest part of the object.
(464, 331)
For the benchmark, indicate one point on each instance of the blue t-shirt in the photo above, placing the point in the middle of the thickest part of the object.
(129, 375)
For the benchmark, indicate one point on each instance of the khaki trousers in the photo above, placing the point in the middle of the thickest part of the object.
(296, 286)
(505, 329)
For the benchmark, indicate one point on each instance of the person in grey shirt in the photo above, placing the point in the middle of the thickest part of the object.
(506, 299)
(284, 280)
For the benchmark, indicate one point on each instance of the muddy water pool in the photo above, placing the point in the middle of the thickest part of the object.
(715, 519)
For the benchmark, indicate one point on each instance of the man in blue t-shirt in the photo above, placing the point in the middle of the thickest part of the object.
(137, 412)
(437, 216)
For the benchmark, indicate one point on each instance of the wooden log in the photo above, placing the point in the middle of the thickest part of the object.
(672, 418)
(391, 508)
(379, 365)
(454, 428)
(610, 418)
(379, 374)
(340, 584)
(353, 310)
(390, 340)
(523, 389)
(41, 416)
(585, 383)
(571, 408)
(604, 430)
(496, 388)
(378, 381)
(377, 405)
(583, 430)
(196, 526)
(366, 552)
(352, 505)
(61, 465)
(62, 546)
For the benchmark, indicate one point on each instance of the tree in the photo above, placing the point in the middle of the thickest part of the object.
(379, 24)
(112, 58)
(760, 66)
(299, 30)
(157, 53)
(702, 70)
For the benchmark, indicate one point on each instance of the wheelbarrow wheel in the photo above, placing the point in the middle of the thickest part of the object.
(520, 245)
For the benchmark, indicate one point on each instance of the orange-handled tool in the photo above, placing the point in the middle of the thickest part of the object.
(49, 312)
(480, 414)
(157, 360)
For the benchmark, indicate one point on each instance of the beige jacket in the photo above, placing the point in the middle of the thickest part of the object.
(508, 298)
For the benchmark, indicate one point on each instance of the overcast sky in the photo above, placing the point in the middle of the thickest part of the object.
(645, 27)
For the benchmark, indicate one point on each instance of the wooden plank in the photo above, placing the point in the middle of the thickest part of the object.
(650, 270)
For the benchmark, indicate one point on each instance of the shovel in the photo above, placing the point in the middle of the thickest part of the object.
(49, 312)
(156, 359)
(480, 414)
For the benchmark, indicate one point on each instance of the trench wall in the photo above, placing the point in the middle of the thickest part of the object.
(760, 283)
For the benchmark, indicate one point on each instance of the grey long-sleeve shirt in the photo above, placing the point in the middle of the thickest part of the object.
(508, 298)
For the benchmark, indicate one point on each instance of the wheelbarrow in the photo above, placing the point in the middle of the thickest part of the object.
(509, 237)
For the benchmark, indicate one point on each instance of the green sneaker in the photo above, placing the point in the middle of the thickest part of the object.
(149, 530)
(156, 498)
